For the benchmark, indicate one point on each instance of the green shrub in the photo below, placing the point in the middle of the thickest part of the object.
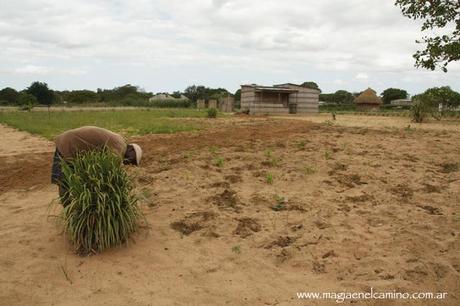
(420, 111)
(212, 113)
(101, 210)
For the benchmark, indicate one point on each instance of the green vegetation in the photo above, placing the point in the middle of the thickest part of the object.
(101, 210)
(307, 170)
(339, 97)
(212, 113)
(236, 249)
(391, 94)
(269, 178)
(127, 122)
(280, 203)
(219, 162)
(440, 49)
(270, 160)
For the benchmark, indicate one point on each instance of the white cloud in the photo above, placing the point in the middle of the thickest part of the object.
(32, 69)
(168, 44)
(362, 76)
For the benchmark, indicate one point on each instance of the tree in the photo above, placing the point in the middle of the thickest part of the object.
(311, 85)
(436, 14)
(9, 95)
(339, 97)
(81, 96)
(237, 96)
(27, 101)
(176, 94)
(41, 91)
(391, 94)
(201, 92)
(343, 97)
(442, 96)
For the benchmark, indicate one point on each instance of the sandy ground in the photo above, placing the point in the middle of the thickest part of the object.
(348, 208)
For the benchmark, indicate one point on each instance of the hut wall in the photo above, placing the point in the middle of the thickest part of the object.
(200, 103)
(270, 103)
(226, 104)
(307, 99)
(248, 96)
(212, 104)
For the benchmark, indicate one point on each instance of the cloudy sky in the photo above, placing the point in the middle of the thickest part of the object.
(166, 45)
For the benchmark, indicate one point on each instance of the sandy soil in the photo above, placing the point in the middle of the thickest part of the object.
(349, 208)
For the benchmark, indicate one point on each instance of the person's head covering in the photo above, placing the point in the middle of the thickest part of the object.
(138, 151)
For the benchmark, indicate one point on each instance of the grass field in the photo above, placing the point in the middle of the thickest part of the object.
(128, 122)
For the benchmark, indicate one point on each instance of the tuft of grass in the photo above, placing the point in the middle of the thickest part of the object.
(212, 113)
(236, 249)
(269, 178)
(327, 155)
(270, 159)
(301, 145)
(219, 162)
(308, 170)
(280, 203)
(101, 209)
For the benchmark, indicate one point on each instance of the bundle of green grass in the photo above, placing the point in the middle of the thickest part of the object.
(101, 209)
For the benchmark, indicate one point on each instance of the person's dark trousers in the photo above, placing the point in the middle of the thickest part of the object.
(57, 176)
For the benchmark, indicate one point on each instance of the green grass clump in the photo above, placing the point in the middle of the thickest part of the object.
(212, 113)
(219, 162)
(269, 178)
(127, 122)
(100, 210)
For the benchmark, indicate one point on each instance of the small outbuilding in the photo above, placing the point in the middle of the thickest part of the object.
(368, 100)
(279, 99)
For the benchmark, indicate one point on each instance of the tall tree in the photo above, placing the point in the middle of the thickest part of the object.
(444, 96)
(436, 14)
(10, 95)
(41, 91)
(391, 94)
(311, 85)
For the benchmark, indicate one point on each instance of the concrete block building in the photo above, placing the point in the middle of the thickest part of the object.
(279, 99)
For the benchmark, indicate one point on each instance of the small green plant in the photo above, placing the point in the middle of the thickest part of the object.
(269, 178)
(270, 160)
(236, 249)
(420, 111)
(219, 162)
(308, 170)
(212, 113)
(328, 123)
(280, 203)
(101, 209)
(301, 145)
(213, 149)
(327, 155)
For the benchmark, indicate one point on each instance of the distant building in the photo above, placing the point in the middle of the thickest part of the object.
(368, 100)
(401, 102)
(279, 99)
(166, 96)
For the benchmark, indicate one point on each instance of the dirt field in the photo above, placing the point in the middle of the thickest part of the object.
(249, 212)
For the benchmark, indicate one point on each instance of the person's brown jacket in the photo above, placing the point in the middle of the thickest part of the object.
(87, 138)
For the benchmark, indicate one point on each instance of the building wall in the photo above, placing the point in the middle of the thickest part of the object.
(307, 101)
(248, 96)
(226, 104)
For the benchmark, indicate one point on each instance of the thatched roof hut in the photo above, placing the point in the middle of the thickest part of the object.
(368, 99)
